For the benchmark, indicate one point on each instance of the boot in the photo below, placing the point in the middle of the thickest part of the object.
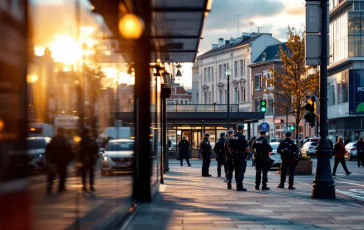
(239, 187)
(265, 187)
(291, 187)
(280, 185)
(256, 187)
(229, 185)
(219, 175)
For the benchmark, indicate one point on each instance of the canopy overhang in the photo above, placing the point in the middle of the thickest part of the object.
(176, 26)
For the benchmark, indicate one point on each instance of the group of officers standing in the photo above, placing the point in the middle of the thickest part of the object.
(233, 151)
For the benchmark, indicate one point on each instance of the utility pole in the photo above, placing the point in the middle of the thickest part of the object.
(323, 186)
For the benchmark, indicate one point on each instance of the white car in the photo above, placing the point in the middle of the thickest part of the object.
(276, 157)
(351, 151)
(36, 152)
(309, 149)
(118, 156)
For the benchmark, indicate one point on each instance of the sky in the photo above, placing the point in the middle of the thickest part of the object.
(274, 16)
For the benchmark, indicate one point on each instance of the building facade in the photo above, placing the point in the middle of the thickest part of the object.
(235, 55)
(195, 77)
(180, 96)
(346, 69)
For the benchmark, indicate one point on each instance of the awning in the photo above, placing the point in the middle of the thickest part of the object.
(176, 28)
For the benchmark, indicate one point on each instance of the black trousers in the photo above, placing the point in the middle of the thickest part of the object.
(221, 161)
(291, 164)
(343, 163)
(184, 155)
(53, 169)
(360, 159)
(206, 159)
(90, 170)
(261, 167)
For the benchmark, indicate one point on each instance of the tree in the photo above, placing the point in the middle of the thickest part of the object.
(291, 87)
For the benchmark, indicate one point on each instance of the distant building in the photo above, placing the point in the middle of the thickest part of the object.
(180, 96)
(346, 69)
(236, 55)
(195, 78)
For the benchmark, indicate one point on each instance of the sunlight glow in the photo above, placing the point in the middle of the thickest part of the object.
(65, 49)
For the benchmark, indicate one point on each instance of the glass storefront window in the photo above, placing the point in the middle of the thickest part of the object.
(171, 136)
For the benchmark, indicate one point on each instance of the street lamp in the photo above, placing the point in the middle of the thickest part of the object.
(228, 73)
(323, 185)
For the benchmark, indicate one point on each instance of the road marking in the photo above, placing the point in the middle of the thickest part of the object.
(345, 181)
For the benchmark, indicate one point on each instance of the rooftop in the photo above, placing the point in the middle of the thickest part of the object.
(243, 40)
(270, 53)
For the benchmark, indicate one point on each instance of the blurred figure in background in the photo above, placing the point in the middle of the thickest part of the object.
(88, 156)
(105, 142)
(340, 151)
(360, 149)
(184, 148)
(347, 141)
(58, 154)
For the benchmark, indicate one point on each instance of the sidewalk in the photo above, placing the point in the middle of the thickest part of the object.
(189, 201)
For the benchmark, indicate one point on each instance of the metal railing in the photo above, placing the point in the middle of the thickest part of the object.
(202, 108)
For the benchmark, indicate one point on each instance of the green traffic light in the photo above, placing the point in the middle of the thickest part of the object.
(263, 103)
(263, 109)
(291, 128)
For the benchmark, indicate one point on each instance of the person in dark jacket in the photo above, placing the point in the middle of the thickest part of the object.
(58, 154)
(205, 149)
(105, 142)
(88, 155)
(289, 154)
(184, 147)
(261, 149)
(340, 151)
(360, 149)
(347, 141)
(229, 164)
(220, 154)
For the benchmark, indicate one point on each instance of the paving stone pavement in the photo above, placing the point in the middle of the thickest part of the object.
(189, 201)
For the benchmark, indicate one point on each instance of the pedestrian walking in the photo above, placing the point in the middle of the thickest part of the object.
(340, 151)
(261, 149)
(360, 149)
(58, 154)
(220, 154)
(229, 163)
(184, 148)
(88, 157)
(239, 148)
(289, 154)
(205, 149)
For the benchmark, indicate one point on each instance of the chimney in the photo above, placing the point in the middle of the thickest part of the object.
(213, 46)
(227, 42)
(220, 42)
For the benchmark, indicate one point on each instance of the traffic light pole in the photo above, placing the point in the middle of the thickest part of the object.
(323, 186)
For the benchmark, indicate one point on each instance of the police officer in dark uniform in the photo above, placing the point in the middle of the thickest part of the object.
(239, 148)
(184, 147)
(229, 163)
(261, 149)
(289, 154)
(205, 149)
(220, 154)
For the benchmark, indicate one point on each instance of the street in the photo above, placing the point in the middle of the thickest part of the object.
(189, 201)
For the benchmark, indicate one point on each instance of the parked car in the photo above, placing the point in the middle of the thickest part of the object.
(36, 152)
(117, 156)
(351, 151)
(276, 157)
(308, 149)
